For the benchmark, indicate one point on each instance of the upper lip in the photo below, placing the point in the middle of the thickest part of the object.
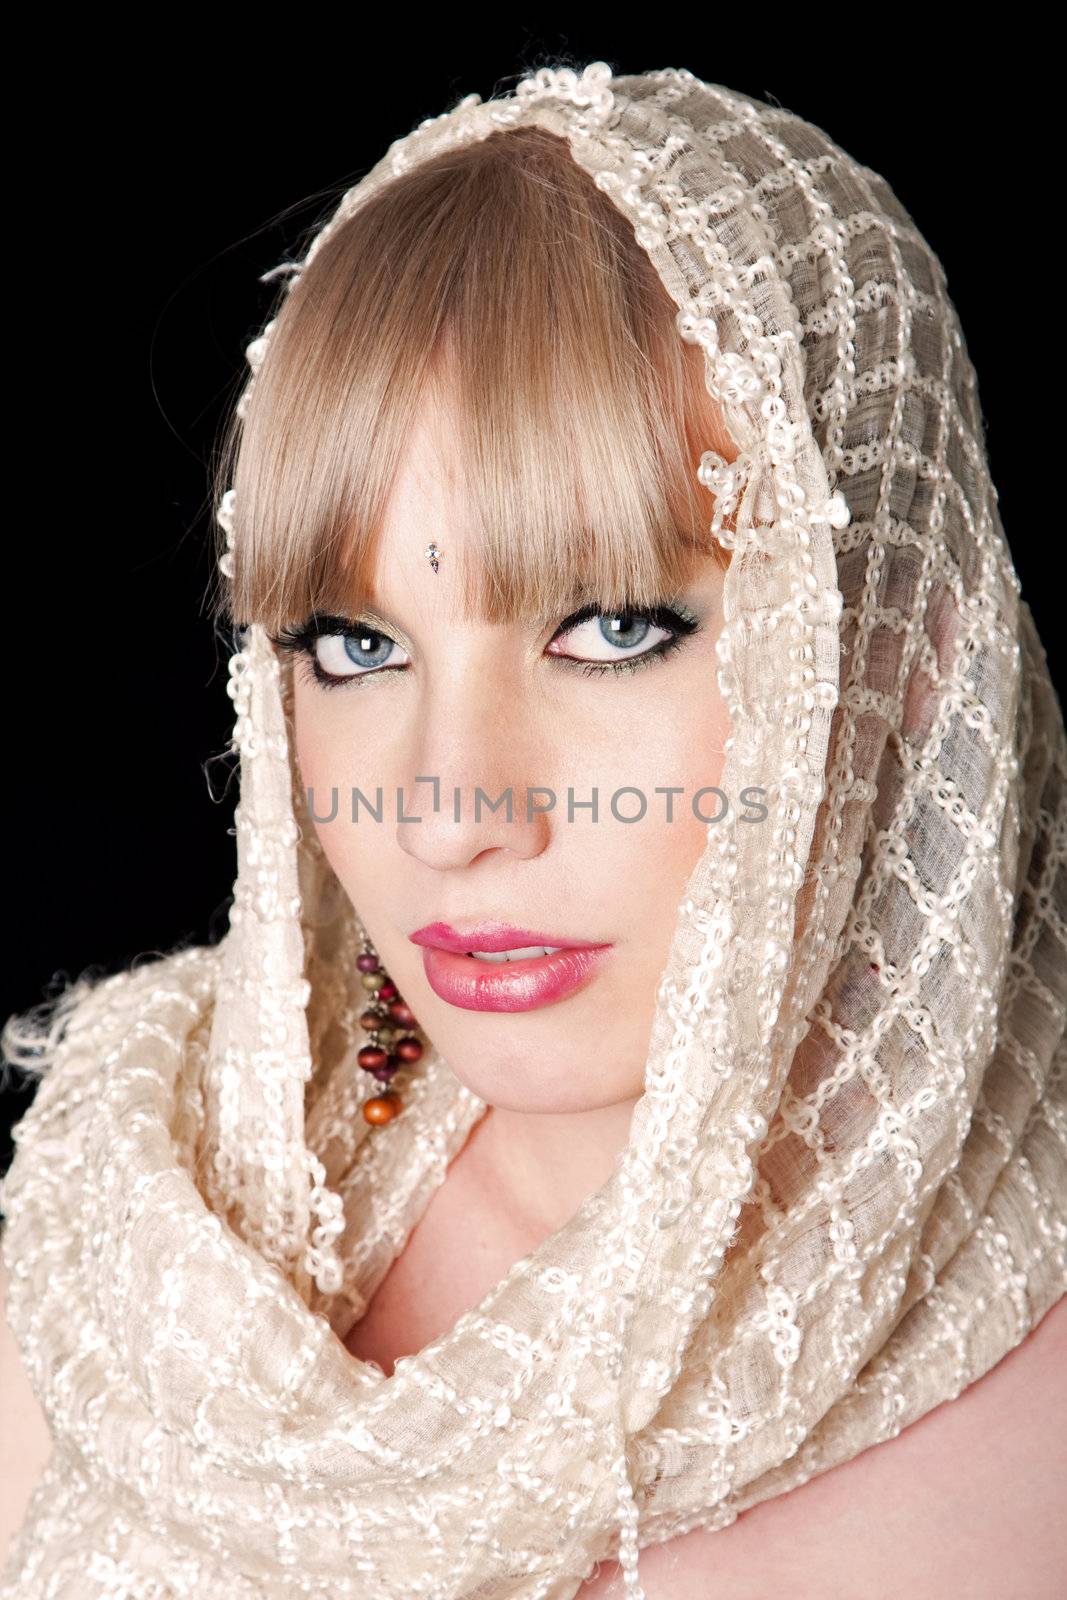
(491, 936)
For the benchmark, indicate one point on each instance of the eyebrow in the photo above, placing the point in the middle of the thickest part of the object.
(367, 613)
(351, 606)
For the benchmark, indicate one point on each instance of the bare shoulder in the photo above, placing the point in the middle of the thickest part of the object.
(25, 1440)
(976, 1485)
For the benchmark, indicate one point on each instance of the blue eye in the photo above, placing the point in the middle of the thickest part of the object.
(612, 641)
(353, 654)
(625, 630)
(341, 650)
(620, 630)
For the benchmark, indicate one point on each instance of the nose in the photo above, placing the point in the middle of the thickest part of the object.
(474, 757)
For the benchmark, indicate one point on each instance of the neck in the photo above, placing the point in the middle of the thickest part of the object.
(540, 1166)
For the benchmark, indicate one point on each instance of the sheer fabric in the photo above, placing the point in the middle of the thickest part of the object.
(843, 1196)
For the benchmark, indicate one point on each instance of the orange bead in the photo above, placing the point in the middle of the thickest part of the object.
(383, 1108)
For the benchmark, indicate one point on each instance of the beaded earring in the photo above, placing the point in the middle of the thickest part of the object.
(391, 1025)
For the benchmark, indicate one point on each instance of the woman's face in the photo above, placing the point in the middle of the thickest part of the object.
(497, 708)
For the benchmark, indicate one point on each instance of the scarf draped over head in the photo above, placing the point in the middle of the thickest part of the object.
(843, 1195)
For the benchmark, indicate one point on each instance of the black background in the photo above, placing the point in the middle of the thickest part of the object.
(149, 189)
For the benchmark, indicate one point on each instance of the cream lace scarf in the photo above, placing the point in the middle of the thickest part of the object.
(843, 1197)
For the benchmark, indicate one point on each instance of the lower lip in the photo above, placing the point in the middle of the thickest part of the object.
(475, 985)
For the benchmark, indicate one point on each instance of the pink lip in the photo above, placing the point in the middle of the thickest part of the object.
(474, 985)
(490, 936)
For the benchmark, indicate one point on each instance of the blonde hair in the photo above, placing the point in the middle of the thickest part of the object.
(499, 280)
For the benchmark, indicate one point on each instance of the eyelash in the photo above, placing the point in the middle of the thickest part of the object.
(681, 622)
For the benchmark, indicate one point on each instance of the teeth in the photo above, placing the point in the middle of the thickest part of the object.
(515, 955)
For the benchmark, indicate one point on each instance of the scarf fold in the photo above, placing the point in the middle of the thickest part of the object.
(844, 1194)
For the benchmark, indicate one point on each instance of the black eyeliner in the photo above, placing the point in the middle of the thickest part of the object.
(679, 622)
(318, 624)
(301, 641)
(663, 616)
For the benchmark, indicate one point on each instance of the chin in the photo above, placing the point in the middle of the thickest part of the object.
(520, 1082)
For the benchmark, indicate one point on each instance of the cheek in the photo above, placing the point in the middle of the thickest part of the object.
(637, 871)
(310, 747)
(325, 784)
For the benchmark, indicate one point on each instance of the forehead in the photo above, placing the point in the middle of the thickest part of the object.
(425, 506)
(532, 510)
(427, 468)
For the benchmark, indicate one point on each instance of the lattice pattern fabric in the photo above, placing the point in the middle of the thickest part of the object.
(844, 1196)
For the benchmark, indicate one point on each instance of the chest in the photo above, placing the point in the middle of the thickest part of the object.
(975, 1483)
(459, 1250)
(967, 1500)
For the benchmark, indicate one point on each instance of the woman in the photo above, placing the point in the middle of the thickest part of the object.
(520, 1184)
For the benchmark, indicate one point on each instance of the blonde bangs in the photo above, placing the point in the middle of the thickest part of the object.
(498, 282)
